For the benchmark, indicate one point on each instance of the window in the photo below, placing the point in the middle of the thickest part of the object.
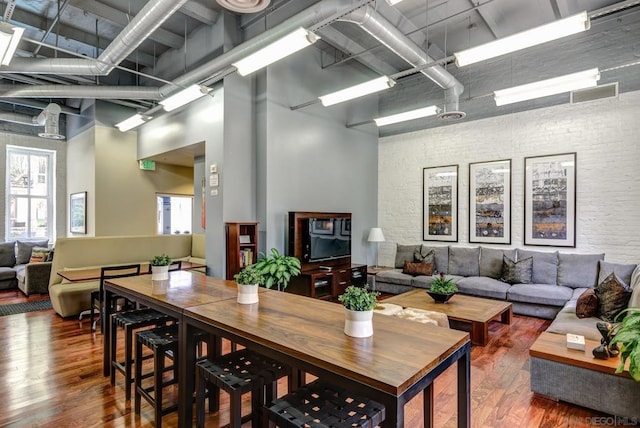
(30, 194)
(174, 214)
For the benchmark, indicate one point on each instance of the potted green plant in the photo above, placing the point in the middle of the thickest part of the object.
(160, 267)
(358, 305)
(441, 289)
(277, 269)
(626, 335)
(248, 280)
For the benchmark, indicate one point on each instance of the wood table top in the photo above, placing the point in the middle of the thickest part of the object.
(93, 273)
(460, 306)
(551, 346)
(399, 353)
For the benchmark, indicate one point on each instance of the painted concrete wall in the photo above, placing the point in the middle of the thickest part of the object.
(7, 138)
(604, 134)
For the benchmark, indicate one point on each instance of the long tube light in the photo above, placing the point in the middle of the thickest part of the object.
(542, 34)
(362, 89)
(9, 39)
(289, 44)
(407, 115)
(544, 88)
(130, 123)
(185, 96)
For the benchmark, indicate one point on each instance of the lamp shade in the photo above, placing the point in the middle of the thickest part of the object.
(375, 235)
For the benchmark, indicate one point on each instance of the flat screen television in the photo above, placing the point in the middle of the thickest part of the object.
(327, 239)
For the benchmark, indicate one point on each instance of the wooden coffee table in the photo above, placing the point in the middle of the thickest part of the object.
(467, 313)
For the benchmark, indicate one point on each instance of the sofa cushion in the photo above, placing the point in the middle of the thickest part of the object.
(7, 273)
(516, 272)
(24, 250)
(39, 255)
(578, 270)
(404, 253)
(394, 276)
(613, 296)
(464, 261)
(419, 268)
(483, 286)
(543, 294)
(545, 265)
(441, 256)
(425, 281)
(491, 261)
(567, 322)
(587, 304)
(622, 271)
(7, 254)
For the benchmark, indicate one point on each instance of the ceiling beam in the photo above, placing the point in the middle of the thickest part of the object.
(200, 13)
(121, 19)
(492, 25)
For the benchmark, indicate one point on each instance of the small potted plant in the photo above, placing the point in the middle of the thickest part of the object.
(277, 269)
(442, 289)
(358, 305)
(248, 280)
(626, 335)
(160, 267)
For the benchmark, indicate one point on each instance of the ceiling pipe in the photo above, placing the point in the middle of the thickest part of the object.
(152, 15)
(49, 118)
(79, 91)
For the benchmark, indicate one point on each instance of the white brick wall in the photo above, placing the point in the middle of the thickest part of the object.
(605, 134)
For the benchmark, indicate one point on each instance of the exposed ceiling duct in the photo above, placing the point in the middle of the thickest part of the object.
(79, 91)
(49, 118)
(244, 6)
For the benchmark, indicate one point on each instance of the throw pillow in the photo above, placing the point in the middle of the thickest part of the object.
(587, 304)
(516, 272)
(39, 255)
(7, 254)
(24, 250)
(613, 295)
(416, 269)
(422, 255)
(404, 253)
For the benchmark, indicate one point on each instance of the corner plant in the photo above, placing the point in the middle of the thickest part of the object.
(359, 298)
(277, 268)
(626, 335)
(249, 276)
(441, 285)
(162, 260)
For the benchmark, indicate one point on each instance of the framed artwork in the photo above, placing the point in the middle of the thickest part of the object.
(490, 202)
(78, 212)
(440, 203)
(322, 227)
(345, 227)
(550, 200)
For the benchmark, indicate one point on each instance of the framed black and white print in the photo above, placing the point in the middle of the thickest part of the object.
(78, 212)
(440, 203)
(550, 200)
(490, 202)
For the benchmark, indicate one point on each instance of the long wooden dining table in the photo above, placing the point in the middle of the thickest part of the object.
(398, 362)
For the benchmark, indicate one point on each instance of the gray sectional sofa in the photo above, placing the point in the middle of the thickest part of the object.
(558, 279)
(16, 271)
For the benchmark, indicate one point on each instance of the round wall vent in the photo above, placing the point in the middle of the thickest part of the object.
(452, 115)
(244, 6)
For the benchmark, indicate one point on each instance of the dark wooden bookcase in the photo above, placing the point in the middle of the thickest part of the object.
(241, 246)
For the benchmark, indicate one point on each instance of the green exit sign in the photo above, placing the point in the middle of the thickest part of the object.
(147, 165)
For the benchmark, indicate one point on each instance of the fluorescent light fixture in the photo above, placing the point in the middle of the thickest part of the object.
(545, 33)
(544, 88)
(366, 88)
(9, 39)
(291, 43)
(130, 123)
(393, 2)
(185, 96)
(407, 115)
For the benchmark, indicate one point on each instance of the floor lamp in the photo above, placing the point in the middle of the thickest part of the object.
(375, 235)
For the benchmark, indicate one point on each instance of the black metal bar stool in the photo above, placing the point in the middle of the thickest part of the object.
(319, 404)
(163, 341)
(237, 373)
(130, 321)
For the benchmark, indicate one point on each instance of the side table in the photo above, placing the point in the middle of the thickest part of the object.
(372, 271)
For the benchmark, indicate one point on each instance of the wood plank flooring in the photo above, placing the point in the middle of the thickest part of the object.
(51, 376)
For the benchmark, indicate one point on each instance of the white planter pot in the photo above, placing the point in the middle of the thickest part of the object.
(247, 294)
(159, 273)
(358, 323)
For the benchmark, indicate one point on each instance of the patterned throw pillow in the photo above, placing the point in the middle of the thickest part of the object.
(416, 269)
(516, 272)
(39, 255)
(613, 295)
(587, 304)
(427, 257)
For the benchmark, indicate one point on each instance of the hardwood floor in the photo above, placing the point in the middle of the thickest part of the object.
(51, 376)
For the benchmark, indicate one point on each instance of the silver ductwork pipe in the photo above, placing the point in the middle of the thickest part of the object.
(49, 118)
(152, 15)
(79, 91)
